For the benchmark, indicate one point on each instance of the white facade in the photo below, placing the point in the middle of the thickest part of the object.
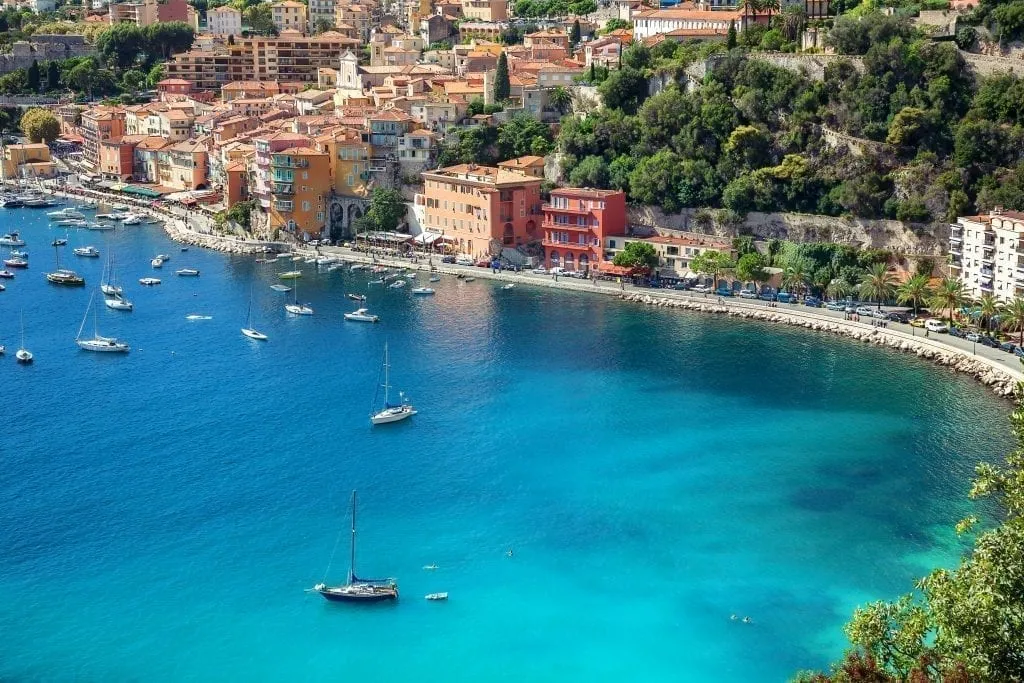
(988, 254)
(654, 22)
(224, 21)
(39, 6)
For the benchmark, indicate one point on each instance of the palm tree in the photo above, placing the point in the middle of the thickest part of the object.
(560, 99)
(838, 288)
(988, 308)
(914, 291)
(948, 295)
(795, 276)
(878, 284)
(748, 7)
(769, 6)
(1013, 317)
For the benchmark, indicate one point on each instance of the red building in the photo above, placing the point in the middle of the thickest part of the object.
(576, 223)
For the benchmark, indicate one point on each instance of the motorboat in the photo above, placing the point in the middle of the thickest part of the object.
(99, 226)
(435, 278)
(184, 249)
(281, 288)
(375, 282)
(422, 291)
(510, 285)
(284, 255)
(357, 297)
(164, 257)
(88, 204)
(120, 207)
(157, 262)
(310, 260)
(60, 242)
(111, 290)
(66, 212)
(131, 219)
(357, 589)
(71, 223)
(296, 258)
(3, 288)
(15, 262)
(68, 278)
(149, 281)
(119, 303)
(10, 202)
(397, 284)
(12, 239)
(290, 275)
(89, 252)
(436, 596)
(39, 203)
(298, 309)
(469, 279)
(361, 315)
(355, 268)
(24, 356)
(391, 412)
(97, 342)
(198, 316)
(106, 217)
(187, 272)
(6, 274)
(19, 253)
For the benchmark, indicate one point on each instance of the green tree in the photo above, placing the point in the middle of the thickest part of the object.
(325, 25)
(839, 288)
(751, 268)
(624, 89)
(121, 44)
(560, 99)
(656, 180)
(80, 78)
(949, 295)
(637, 255)
(155, 75)
(133, 81)
(590, 172)
(52, 76)
(521, 135)
(915, 291)
(748, 147)
(988, 308)
(1012, 318)
(713, 263)
(164, 38)
(386, 212)
(502, 88)
(796, 275)
(879, 284)
(33, 76)
(40, 124)
(241, 213)
(730, 37)
(574, 33)
(261, 19)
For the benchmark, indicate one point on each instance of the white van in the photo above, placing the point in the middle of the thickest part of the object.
(933, 325)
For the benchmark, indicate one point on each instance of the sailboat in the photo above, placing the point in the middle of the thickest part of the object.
(23, 355)
(356, 589)
(63, 276)
(250, 331)
(98, 343)
(107, 286)
(391, 413)
(295, 308)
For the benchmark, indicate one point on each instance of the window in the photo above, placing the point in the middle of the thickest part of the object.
(305, 206)
(320, 216)
(611, 244)
(305, 175)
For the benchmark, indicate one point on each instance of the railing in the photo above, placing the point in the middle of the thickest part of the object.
(567, 245)
(564, 226)
(570, 209)
(284, 188)
(286, 162)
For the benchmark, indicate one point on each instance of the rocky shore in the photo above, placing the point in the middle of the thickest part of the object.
(1001, 383)
(177, 230)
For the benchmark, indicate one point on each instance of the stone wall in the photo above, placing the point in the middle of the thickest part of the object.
(44, 48)
(987, 65)
(812, 64)
(932, 239)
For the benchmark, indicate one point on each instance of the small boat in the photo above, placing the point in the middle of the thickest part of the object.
(3, 288)
(379, 269)
(361, 315)
(281, 288)
(510, 285)
(107, 286)
(391, 412)
(23, 355)
(430, 567)
(375, 282)
(120, 207)
(106, 217)
(118, 303)
(184, 249)
(290, 275)
(131, 219)
(18, 253)
(311, 260)
(469, 279)
(335, 266)
(59, 242)
(149, 281)
(436, 596)
(68, 278)
(397, 284)
(295, 308)
(187, 272)
(88, 204)
(97, 342)
(422, 291)
(284, 255)
(66, 212)
(163, 257)
(357, 297)
(357, 267)
(15, 262)
(12, 239)
(250, 331)
(71, 223)
(6, 274)
(157, 263)
(197, 316)
(99, 226)
(356, 589)
(296, 259)
(90, 251)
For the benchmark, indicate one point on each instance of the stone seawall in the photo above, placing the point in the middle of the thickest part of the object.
(1002, 383)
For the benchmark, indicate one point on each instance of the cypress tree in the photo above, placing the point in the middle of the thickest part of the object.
(592, 78)
(502, 88)
(52, 75)
(33, 76)
(730, 39)
(574, 33)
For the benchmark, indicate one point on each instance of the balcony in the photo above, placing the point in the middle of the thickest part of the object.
(284, 189)
(564, 226)
(558, 244)
(568, 209)
(289, 162)
(955, 248)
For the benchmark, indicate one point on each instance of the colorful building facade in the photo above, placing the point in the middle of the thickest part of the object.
(576, 223)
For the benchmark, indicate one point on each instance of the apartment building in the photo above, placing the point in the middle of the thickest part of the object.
(266, 146)
(28, 161)
(289, 15)
(184, 166)
(350, 159)
(473, 206)
(357, 16)
(141, 13)
(98, 124)
(675, 252)
(688, 22)
(576, 223)
(320, 12)
(224, 21)
(301, 179)
(485, 10)
(988, 254)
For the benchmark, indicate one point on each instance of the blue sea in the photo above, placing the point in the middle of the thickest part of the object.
(655, 473)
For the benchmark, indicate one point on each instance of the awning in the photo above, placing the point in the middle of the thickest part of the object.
(142, 191)
(105, 184)
(430, 238)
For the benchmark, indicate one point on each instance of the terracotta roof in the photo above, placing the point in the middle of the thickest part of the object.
(305, 151)
(692, 14)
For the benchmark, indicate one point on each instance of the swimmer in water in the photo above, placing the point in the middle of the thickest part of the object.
(733, 617)
(747, 620)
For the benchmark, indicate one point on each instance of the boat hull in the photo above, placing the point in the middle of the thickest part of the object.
(388, 416)
(383, 594)
(103, 348)
(253, 334)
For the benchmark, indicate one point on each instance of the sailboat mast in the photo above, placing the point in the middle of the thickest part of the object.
(352, 551)
(386, 375)
(84, 318)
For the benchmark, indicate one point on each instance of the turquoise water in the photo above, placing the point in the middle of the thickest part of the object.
(655, 473)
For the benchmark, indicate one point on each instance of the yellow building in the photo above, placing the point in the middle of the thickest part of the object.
(28, 161)
(350, 160)
(301, 179)
(289, 14)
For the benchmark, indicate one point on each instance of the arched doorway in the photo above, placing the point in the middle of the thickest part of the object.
(354, 214)
(508, 235)
(553, 259)
(569, 265)
(584, 262)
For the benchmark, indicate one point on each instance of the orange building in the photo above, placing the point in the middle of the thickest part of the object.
(117, 156)
(350, 160)
(474, 206)
(99, 124)
(576, 223)
(301, 179)
(236, 186)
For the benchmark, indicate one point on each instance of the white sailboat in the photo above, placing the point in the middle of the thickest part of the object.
(295, 308)
(23, 355)
(250, 331)
(391, 413)
(98, 343)
(107, 285)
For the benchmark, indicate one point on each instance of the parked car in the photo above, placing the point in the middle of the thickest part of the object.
(934, 325)
(766, 296)
(973, 336)
(483, 263)
(865, 311)
(680, 286)
(447, 259)
(917, 322)
(747, 294)
(879, 313)
(558, 271)
(464, 260)
(955, 331)
(897, 317)
(989, 342)
(1009, 347)
(835, 306)
(540, 270)
(1019, 352)
(786, 298)
(723, 292)
(701, 289)
(850, 308)
(812, 301)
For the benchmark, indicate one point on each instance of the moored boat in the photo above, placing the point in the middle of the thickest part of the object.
(361, 315)
(15, 262)
(97, 342)
(290, 275)
(12, 239)
(357, 297)
(89, 251)
(187, 272)
(422, 291)
(391, 412)
(149, 281)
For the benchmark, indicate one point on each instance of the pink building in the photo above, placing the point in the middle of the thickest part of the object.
(576, 223)
(266, 146)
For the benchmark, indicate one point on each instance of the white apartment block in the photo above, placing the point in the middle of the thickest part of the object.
(988, 254)
(224, 21)
(320, 11)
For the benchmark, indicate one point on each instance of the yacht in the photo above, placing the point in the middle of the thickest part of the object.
(88, 204)
(423, 291)
(397, 284)
(119, 303)
(131, 219)
(12, 239)
(99, 226)
(10, 202)
(97, 342)
(63, 276)
(66, 212)
(149, 281)
(90, 251)
(187, 272)
(15, 262)
(361, 315)
(437, 596)
(390, 412)
(71, 223)
(106, 217)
